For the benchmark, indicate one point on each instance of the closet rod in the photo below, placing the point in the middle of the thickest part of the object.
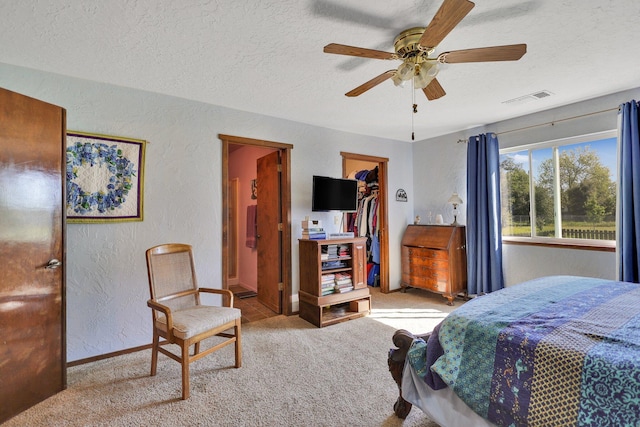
(551, 123)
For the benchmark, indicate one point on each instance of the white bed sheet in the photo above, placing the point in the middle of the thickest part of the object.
(442, 406)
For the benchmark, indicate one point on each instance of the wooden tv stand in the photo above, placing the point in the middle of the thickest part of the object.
(322, 308)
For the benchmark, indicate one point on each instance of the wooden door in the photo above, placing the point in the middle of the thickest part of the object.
(269, 225)
(32, 328)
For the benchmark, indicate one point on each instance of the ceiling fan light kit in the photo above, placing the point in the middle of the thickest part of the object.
(414, 47)
(416, 63)
(425, 72)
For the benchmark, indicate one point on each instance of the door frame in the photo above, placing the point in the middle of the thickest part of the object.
(285, 214)
(383, 218)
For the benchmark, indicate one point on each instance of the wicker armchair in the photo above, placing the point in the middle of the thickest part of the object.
(178, 316)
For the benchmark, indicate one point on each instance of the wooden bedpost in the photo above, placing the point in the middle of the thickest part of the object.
(396, 360)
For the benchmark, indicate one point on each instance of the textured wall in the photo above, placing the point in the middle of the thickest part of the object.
(106, 274)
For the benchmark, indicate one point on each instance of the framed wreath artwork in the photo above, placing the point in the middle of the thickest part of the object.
(104, 178)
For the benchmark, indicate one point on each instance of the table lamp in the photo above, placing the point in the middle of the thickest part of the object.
(455, 200)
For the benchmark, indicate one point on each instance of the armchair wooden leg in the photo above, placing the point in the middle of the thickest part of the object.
(185, 371)
(238, 333)
(196, 348)
(154, 353)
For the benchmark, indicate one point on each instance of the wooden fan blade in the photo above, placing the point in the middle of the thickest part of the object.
(449, 15)
(433, 90)
(511, 52)
(371, 83)
(361, 52)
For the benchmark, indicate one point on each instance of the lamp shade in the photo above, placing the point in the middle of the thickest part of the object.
(455, 199)
(397, 80)
(425, 74)
(405, 70)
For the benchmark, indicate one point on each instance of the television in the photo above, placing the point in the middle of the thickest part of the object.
(334, 194)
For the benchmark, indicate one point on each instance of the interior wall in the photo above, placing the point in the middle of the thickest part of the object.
(440, 168)
(106, 274)
(243, 165)
(107, 285)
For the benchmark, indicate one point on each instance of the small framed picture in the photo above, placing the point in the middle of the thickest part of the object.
(401, 195)
(254, 189)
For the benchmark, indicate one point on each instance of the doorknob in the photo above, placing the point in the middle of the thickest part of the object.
(53, 264)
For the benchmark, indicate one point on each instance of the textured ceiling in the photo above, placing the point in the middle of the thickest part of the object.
(266, 56)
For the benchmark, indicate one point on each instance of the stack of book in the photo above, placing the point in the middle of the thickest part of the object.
(328, 284)
(313, 230)
(343, 250)
(328, 252)
(343, 282)
(334, 263)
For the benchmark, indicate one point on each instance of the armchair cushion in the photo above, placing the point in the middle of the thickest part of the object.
(197, 319)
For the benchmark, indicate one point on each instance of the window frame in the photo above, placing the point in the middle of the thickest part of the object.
(570, 243)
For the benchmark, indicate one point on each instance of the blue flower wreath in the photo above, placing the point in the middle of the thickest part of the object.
(100, 154)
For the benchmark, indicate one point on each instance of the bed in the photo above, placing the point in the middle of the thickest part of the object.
(553, 351)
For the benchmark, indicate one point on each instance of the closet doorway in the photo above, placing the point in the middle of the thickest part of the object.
(260, 255)
(360, 162)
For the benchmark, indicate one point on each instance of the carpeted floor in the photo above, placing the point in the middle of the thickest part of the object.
(293, 374)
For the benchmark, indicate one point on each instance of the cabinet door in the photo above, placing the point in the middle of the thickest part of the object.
(358, 276)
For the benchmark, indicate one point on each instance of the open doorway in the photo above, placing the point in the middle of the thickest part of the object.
(351, 163)
(259, 258)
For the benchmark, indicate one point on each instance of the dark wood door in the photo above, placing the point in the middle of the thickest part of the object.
(32, 329)
(269, 232)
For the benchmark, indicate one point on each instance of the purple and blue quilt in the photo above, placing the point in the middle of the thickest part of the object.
(554, 351)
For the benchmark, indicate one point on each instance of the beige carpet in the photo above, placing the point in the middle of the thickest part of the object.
(293, 374)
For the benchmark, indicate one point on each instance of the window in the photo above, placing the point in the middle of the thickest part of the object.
(562, 189)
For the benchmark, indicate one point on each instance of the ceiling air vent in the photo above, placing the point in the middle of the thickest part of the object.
(528, 98)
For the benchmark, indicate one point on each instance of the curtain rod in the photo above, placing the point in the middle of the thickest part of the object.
(550, 123)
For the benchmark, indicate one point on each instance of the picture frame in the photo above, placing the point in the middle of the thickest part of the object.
(254, 189)
(104, 178)
(401, 195)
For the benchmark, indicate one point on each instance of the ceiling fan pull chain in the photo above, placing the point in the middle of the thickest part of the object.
(415, 108)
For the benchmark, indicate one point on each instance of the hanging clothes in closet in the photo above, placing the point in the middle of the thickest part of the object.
(364, 222)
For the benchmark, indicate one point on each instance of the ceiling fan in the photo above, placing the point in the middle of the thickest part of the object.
(414, 47)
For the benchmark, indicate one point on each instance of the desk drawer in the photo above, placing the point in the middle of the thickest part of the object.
(433, 282)
(429, 263)
(425, 253)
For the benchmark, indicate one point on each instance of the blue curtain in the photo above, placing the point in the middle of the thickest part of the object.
(484, 228)
(628, 236)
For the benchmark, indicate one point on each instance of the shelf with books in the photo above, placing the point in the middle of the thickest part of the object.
(332, 274)
(335, 267)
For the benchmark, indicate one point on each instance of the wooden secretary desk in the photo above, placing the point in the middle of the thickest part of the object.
(434, 258)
